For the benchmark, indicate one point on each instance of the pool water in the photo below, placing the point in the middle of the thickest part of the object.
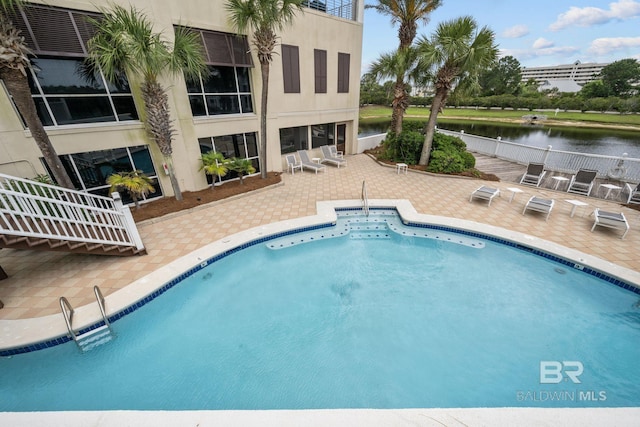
(355, 317)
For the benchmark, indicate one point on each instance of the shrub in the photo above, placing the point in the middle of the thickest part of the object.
(445, 162)
(405, 147)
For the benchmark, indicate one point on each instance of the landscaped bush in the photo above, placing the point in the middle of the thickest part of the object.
(404, 148)
(449, 155)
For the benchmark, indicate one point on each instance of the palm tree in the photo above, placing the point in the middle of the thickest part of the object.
(406, 13)
(14, 66)
(264, 18)
(214, 164)
(458, 52)
(241, 166)
(125, 43)
(136, 183)
(401, 66)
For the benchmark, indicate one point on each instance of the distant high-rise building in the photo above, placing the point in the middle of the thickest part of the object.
(566, 78)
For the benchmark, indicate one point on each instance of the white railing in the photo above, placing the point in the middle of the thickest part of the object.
(617, 167)
(32, 209)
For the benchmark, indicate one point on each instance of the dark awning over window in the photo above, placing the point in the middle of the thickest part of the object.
(225, 49)
(54, 31)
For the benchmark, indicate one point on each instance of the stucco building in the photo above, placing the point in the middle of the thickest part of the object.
(95, 125)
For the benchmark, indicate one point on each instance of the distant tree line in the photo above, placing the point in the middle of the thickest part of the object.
(616, 89)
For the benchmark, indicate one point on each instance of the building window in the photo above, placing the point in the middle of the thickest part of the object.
(343, 72)
(297, 138)
(242, 145)
(226, 87)
(322, 135)
(89, 170)
(64, 90)
(226, 90)
(291, 69)
(320, 70)
(294, 139)
(65, 94)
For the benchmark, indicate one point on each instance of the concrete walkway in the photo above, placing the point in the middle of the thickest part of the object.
(38, 279)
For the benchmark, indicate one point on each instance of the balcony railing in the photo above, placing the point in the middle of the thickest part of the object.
(620, 168)
(346, 9)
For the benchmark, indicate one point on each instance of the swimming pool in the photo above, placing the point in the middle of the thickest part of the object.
(307, 321)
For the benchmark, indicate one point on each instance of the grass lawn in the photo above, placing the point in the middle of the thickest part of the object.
(507, 115)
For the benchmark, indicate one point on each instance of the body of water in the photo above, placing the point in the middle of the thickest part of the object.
(609, 142)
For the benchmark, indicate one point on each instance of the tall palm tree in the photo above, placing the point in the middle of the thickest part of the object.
(402, 66)
(264, 18)
(407, 14)
(458, 52)
(125, 43)
(14, 66)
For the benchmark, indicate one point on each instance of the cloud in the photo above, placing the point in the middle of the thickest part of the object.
(604, 46)
(542, 43)
(588, 16)
(516, 32)
(524, 54)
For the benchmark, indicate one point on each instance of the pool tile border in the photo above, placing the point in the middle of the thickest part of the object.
(400, 207)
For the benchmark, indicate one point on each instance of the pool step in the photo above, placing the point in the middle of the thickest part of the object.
(94, 338)
(365, 229)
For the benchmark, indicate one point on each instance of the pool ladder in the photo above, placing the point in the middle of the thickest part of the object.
(365, 199)
(94, 337)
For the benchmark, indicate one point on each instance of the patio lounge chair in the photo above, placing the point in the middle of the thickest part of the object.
(611, 220)
(335, 152)
(308, 164)
(634, 193)
(582, 182)
(534, 174)
(539, 205)
(485, 193)
(293, 163)
(330, 158)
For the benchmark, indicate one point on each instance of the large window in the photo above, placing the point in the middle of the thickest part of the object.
(226, 90)
(64, 90)
(297, 138)
(226, 86)
(89, 170)
(343, 72)
(242, 145)
(293, 139)
(290, 69)
(65, 94)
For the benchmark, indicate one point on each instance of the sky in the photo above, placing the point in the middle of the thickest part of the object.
(537, 33)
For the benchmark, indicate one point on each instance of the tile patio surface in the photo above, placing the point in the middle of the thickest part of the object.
(38, 279)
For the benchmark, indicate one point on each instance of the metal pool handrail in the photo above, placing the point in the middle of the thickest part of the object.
(100, 298)
(67, 312)
(365, 199)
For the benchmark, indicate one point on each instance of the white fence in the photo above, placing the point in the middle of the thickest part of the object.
(619, 168)
(33, 209)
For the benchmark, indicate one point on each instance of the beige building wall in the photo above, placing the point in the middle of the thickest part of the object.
(20, 156)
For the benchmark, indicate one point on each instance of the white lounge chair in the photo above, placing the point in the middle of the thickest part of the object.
(611, 220)
(293, 163)
(539, 204)
(534, 174)
(634, 193)
(582, 182)
(327, 157)
(485, 193)
(308, 164)
(335, 152)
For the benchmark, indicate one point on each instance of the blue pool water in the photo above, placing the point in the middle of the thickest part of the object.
(375, 317)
